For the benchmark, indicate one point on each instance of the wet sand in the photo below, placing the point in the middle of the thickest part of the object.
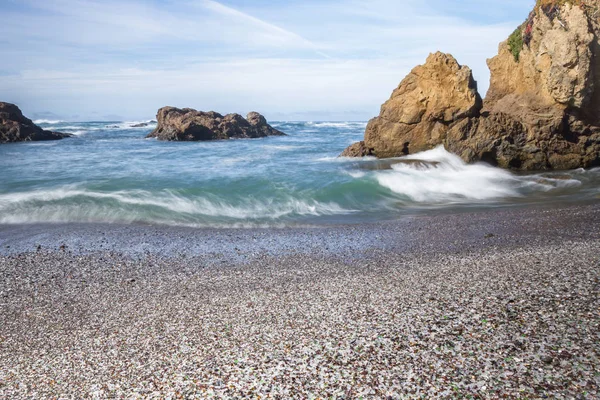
(488, 304)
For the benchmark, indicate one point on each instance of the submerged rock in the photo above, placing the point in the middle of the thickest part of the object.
(542, 110)
(15, 127)
(191, 125)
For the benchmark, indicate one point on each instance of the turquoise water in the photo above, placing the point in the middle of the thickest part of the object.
(109, 172)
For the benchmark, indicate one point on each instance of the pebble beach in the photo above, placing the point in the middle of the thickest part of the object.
(484, 305)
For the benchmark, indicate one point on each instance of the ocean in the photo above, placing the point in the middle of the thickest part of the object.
(108, 172)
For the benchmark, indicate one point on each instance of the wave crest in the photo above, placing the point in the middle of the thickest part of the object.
(71, 204)
(443, 177)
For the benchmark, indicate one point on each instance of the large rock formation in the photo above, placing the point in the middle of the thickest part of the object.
(544, 91)
(426, 104)
(14, 127)
(191, 125)
(542, 110)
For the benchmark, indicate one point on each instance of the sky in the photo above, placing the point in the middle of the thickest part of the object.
(288, 59)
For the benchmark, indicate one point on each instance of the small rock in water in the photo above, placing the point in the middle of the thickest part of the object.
(191, 125)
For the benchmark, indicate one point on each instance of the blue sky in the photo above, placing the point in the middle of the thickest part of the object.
(300, 60)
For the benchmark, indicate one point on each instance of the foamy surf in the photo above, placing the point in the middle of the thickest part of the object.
(347, 125)
(443, 177)
(439, 177)
(47, 121)
(73, 204)
(147, 124)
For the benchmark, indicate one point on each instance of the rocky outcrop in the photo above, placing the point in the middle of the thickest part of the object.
(14, 127)
(423, 108)
(359, 149)
(552, 64)
(191, 125)
(542, 110)
(542, 104)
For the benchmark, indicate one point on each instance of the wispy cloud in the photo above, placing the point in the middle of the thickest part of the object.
(276, 34)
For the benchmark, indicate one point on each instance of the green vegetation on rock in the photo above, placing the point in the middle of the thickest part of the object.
(515, 42)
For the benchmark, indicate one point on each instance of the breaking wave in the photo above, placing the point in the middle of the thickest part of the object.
(72, 204)
(110, 174)
(442, 177)
(439, 177)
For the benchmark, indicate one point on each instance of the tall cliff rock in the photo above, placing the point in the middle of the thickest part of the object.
(15, 127)
(423, 108)
(186, 124)
(542, 110)
(546, 87)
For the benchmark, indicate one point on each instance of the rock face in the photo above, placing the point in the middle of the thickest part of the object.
(14, 127)
(423, 108)
(542, 110)
(191, 125)
(359, 149)
(543, 97)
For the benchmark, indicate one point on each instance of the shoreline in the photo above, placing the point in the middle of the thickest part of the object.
(487, 304)
(438, 230)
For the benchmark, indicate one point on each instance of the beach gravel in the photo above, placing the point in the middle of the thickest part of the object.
(515, 320)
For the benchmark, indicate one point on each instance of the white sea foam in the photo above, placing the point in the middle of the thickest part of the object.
(546, 183)
(338, 124)
(76, 130)
(447, 178)
(44, 144)
(47, 121)
(282, 147)
(72, 204)
(356, 174)
(331, 159)
(149, 124)
(68, 127)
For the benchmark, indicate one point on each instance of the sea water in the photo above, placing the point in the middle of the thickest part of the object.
(109, 172)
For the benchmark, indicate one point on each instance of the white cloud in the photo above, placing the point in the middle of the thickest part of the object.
(131, 57)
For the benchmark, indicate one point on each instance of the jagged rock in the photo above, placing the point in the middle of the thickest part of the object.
(423, 107)
(553, 66)
(191, 125)
(542, 110)
(14, 127)
(543, 104)
(357, 150)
